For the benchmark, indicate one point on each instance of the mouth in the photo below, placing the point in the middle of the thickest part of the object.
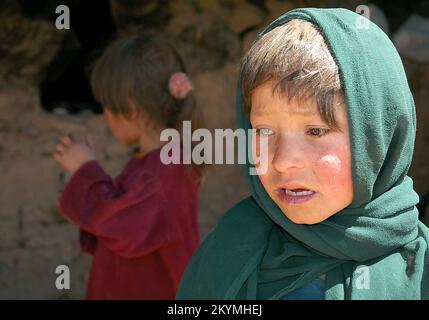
(295, 196)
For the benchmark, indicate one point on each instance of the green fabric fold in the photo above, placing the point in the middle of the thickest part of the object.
(375, 248)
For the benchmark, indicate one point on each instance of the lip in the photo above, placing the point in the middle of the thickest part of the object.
(291, 186)
(289, 199)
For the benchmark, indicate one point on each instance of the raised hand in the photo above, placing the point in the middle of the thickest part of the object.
(72, 153)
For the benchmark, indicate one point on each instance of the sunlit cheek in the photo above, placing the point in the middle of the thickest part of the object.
(334, 173)
(329, 169)
(331, 163)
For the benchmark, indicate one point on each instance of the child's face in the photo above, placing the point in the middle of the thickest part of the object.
(309, 164)
(124, 130)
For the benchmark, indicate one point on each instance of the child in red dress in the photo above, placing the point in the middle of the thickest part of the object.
(142, 226)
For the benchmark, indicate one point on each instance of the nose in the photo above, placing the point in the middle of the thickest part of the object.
(288, 154)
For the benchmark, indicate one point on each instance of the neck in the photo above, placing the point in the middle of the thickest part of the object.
(149, 142)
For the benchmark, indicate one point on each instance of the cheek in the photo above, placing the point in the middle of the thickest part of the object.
(266, 173)
(334, 171)
(330, 165)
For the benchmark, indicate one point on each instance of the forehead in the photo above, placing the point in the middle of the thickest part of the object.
(266, 97)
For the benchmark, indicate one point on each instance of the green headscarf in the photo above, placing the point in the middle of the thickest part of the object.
(375, 248)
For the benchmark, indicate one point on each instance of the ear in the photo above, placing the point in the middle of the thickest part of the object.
(134, 115)
(134, 112)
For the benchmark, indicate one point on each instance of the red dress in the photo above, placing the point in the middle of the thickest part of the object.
(141, 227)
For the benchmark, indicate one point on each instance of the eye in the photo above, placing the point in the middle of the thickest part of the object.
(318, 132)
(264, 132)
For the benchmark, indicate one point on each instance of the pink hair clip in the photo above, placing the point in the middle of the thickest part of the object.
(179, 85)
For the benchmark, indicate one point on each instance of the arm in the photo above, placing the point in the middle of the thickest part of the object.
(131, 224)
(87, 241)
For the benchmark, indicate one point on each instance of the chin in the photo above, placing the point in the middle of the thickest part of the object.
(303, 217)
(297, 219)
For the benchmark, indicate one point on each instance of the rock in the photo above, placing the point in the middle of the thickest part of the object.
(277, 8)
(48, 146)
(29, 131)
(139, 15)
(244, 17)
(207, 43)
(5, 127)
(418, 77)
(60, 111)
(215, 93)
(86, 113)
(233, 3)
(379, 18)
(30, 46)
(248, 40)
(183, 16)
(210, 5)
(412, 38)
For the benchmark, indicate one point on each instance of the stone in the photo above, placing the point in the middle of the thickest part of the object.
(183, 16)
(207, 43)
(30, 45)
(412, 39)
(139, 15)
(244, 17)
(210, 5)
(277, 8)
(248, 40)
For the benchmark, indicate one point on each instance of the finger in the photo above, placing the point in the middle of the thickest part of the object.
(66, 140)
(60, 148)
(90, 140)
(57, 157)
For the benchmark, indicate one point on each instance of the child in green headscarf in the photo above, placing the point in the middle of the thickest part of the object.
(333, 216)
